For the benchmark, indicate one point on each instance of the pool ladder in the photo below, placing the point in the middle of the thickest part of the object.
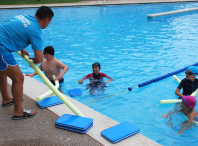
(103, 1)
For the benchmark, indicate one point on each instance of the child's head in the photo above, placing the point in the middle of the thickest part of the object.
(189, 101)
(49, 50)
(96, 64)
(96, 67)
(191, 72)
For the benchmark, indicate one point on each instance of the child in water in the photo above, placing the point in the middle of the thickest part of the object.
(187, 108)
(96, 79)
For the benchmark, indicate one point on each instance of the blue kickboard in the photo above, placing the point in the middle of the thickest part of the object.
(49, 101)
(119, 132)
(75, 92)
(74, 123)
(74, 129)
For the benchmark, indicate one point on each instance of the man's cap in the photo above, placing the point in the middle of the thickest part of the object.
(49, 50)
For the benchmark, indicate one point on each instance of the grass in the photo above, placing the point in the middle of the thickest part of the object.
(20, 2)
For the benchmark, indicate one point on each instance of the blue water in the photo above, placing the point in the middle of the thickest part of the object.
(131, 50)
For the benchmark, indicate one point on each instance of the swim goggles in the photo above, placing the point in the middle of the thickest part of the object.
(96, 64)
(188, 73)
(44, 53)
(190, 106)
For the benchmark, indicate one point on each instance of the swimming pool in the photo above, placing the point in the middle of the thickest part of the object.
(132, 50)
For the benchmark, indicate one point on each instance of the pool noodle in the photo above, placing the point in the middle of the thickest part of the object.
(51, 86)
(150, 16)
(46, 94)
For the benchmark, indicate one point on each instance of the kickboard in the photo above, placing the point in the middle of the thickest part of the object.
(75, 92)
(49, 101)
(74, 123)
(120, 132)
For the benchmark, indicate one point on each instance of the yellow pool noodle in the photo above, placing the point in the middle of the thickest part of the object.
(170, 101)
(177, 100)
(51, 86)
(46, 94)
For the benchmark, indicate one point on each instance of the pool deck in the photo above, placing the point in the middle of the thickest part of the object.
(40, 130)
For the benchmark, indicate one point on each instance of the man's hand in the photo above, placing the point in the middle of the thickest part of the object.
(38, 56)
(24, 52)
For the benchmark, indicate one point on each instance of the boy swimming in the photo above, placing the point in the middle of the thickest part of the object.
(52, 66)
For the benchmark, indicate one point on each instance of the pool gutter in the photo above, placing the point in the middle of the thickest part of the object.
(84, 4)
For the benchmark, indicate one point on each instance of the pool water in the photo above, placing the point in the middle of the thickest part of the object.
(131, 49)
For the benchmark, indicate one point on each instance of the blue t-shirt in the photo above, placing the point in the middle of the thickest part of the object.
(18, 32)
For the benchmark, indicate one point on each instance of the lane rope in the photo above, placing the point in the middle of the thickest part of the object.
(129, 89)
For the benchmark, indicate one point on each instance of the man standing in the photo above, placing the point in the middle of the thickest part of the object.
(15, 35)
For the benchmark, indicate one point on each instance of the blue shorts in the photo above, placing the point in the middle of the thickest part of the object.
(6, 60)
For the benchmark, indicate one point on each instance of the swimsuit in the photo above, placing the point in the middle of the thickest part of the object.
(96, 81)
(95, 78)
(188, 86)
(60, 82)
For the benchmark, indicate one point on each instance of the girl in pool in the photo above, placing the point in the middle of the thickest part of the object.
(187, 108)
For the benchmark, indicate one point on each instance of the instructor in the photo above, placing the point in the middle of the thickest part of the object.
(15, 35)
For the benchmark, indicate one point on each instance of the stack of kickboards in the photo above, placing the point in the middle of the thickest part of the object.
(74, 123)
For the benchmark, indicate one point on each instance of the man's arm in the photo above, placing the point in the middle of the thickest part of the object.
(38, 56)
(24, 52)
(177, 92)
(181, 85)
